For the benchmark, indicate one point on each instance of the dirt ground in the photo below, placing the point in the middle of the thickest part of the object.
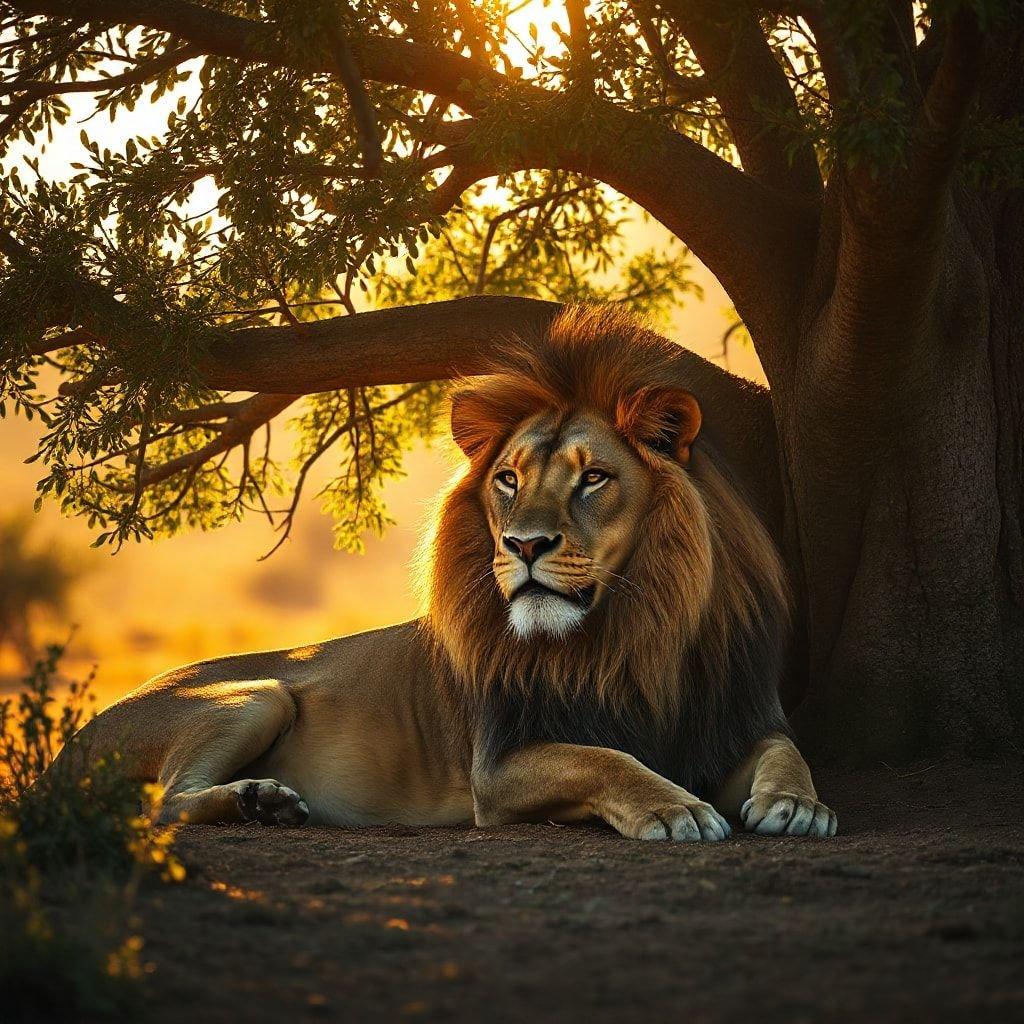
(915, 912)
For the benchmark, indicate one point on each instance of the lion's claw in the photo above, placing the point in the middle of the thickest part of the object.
(684, 823)
(776, 814)
(270, 803)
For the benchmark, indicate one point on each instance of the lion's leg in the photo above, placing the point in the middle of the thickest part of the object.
(564, 782)
(222, 729)
(772, 793)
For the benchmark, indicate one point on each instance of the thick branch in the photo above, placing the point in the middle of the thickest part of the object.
(403, 345)
(751, 86)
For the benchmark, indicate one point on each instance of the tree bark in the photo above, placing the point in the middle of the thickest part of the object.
(904, 492)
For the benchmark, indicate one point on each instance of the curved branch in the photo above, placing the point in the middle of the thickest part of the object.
(246, 420)
(458, 337)
(461, 177)
(756, 241)
(751, 86)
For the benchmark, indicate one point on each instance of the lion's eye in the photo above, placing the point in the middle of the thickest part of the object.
(594, 477)
(507, 480)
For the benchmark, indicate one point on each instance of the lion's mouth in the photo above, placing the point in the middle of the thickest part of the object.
(583, 598)
(534, 609)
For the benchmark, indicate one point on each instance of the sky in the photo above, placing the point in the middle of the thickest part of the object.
(201, 595)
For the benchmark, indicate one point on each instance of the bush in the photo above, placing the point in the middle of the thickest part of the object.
(74, 846)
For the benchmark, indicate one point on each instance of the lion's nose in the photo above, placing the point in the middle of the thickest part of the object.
(529, 549)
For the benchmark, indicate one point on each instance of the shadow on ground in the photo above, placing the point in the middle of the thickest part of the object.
(915, 912)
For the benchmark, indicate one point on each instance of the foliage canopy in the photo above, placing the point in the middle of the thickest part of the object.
(322, 157)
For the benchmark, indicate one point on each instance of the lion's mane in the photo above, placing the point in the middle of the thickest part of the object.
(697, 626)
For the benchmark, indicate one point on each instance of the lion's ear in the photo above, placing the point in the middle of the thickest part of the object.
(470, 422)
(665, 419)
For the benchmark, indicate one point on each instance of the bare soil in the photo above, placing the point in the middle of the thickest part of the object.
(915, 912)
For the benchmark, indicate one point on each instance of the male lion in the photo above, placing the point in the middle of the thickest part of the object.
(605, 627)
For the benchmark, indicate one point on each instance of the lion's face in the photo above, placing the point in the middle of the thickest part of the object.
(565, 498)
(592, 546)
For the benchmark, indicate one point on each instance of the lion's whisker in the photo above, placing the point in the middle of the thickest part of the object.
(474, 584)
(618, 576)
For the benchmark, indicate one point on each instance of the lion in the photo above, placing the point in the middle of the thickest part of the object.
(606, 622)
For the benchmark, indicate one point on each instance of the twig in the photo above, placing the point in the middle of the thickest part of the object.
(325, 442)
(362, 109)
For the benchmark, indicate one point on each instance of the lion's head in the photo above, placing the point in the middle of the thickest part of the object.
(592, 542)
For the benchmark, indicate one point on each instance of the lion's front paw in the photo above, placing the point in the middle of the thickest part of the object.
(789, 814)
(270, 803)
(684, 823)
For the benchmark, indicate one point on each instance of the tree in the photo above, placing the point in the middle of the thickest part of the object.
(850, 170)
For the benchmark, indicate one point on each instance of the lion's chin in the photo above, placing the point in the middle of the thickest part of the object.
(535, 613)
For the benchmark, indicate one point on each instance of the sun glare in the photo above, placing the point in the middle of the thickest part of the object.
(534, 26)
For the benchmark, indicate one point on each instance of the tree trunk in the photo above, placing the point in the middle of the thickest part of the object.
(901, 447)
